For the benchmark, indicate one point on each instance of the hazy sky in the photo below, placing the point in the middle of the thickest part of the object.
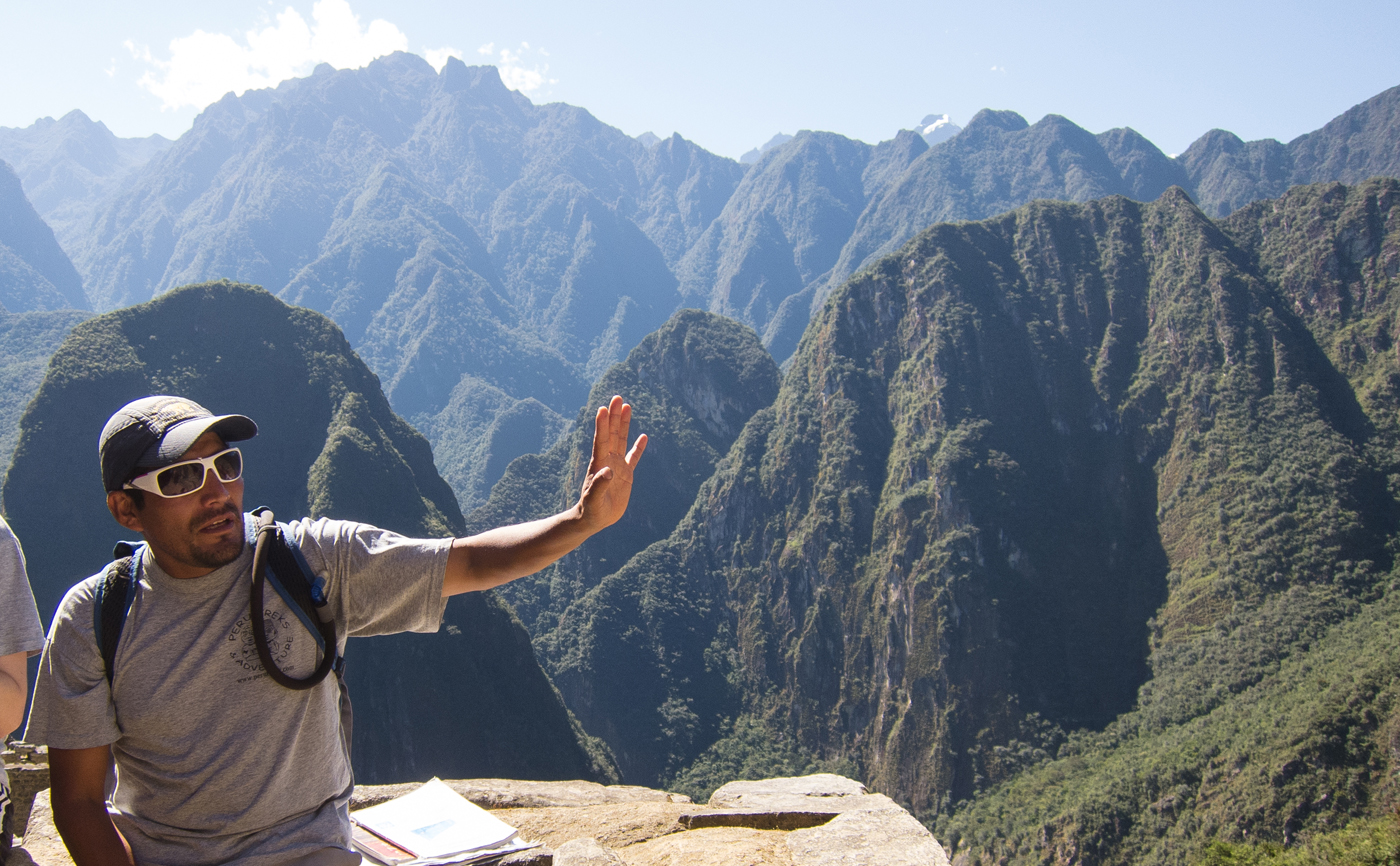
(728, 75)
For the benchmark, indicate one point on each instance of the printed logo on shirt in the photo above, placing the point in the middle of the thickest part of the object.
(244, 652)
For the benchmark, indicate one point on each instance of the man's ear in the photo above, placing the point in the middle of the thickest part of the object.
(124, 510)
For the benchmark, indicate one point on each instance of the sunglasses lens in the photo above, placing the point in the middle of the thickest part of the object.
(229, 465)
(181, 479)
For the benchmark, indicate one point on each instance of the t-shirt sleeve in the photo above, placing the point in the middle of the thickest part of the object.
(72, 707)
(378, 582)
(20, 630)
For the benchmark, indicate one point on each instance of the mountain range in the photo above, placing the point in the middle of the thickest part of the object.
(482, 252)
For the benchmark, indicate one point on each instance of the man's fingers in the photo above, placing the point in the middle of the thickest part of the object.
(600, 435)
(636, 453)
(615, 410)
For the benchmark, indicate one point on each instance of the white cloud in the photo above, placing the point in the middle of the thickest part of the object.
(517, 72)
(1001, 69)
(204, 66)
(437, 57)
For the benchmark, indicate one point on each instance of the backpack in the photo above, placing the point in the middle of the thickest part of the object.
(276, 561)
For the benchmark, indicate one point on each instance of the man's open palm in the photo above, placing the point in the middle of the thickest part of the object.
(608, 484)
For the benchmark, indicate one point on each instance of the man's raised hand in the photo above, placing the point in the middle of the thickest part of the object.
(608, 484)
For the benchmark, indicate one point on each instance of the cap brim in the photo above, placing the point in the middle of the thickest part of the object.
(178, 439)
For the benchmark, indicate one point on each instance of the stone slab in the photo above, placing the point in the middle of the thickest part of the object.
(585, 852)
(542, 856)
(714, 846)
(820, 792)
(757, 820)
(614, 825)
(862, 837)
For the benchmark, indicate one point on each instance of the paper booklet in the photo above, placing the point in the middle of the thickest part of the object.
(432, 824)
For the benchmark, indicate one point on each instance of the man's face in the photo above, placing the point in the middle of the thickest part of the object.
(190, 535)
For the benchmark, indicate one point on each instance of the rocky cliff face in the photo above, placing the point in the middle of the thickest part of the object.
(471, 696)
(1020, 476)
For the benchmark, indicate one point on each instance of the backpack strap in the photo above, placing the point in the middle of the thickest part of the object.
(115, 592)
(278, 561)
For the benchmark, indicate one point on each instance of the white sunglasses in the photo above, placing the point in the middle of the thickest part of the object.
(188, 476)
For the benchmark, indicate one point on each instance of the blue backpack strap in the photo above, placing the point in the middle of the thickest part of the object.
(301, 590)
(279, 562)
(115, 592)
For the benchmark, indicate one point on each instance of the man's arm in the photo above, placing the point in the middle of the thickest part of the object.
(79, 791)
(14, 686)
(501, 555)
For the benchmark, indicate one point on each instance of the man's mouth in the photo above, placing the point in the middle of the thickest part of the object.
(220, 523)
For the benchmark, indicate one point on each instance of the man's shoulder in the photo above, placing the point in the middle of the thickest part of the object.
(324, 530)
(82, 594)
(74, 617)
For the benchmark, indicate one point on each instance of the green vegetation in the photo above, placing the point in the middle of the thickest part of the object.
(27, 341)
(1272, 710)
(1366, 842)
(692, 384)
(35, 273)
(750, 748)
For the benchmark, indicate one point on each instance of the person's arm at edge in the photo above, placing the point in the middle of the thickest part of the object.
(14, 687)
(79, 791)
(501, 555)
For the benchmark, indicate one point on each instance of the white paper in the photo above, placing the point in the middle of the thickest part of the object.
(435, 821)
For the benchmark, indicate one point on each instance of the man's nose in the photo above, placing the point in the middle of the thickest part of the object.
(214, 487)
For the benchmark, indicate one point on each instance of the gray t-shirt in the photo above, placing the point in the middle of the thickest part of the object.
(216, 763)
(20, 631)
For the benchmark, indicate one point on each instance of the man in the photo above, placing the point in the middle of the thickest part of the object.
(21, 636)
(216, 762)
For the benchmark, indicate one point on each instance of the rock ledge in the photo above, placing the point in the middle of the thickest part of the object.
(818, 820)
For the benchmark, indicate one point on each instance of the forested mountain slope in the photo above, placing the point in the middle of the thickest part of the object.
(467, 701)
(35, 273)
(71, 165)
(27, 341)
(1083, 468)
(461, 236)
(692, 384)
(1280, 721)
(1227, 173)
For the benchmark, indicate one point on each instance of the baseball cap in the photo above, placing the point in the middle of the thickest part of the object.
(155, 431)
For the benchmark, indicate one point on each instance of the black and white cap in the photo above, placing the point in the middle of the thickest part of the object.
(156, 431)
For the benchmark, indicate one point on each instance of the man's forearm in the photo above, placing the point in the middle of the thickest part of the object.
(501, 555)
(89, 833)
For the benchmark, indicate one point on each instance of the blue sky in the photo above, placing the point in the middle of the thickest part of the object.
(728, 75)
